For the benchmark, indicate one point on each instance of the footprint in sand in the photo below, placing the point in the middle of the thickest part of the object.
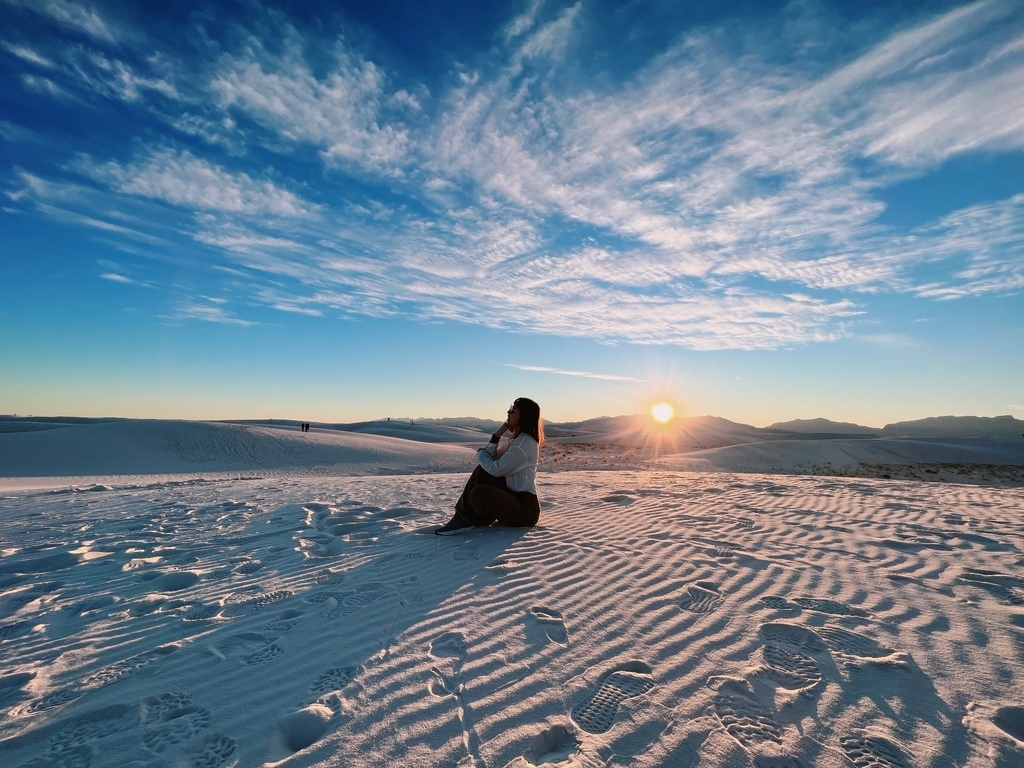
(171, 581)
(779, 603)
(270, 598)
(319, 598)
(305, 727)
(622, 498)
(51, 700)
(200, 613)
(557, 746)
(1010, 720)
(345, 604)
(76, 739)
(1001, 726)
(466, 554)
(830, 607)
(181, 558)
(597, 713)
(285, 621)
(743, 716)
(328, 576)
(702, 597)
(441, 685)
(724, 553)
(66, 754)
(450, 645)
(250, 647)
(551, 622)
(272, 651)
(175, 727)
(247, 567)
(854, 649)
(214, 751)
(866, 751)
(387, 562)
(791, 669)
(119, 669)
(158, 708)
(795, 637)
(333, 679)
(1002, 585)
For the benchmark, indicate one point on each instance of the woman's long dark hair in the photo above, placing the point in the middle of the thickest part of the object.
(529, 419)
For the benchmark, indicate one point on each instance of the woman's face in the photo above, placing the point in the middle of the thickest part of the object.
(513, 417)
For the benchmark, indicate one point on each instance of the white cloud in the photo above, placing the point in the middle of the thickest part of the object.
(73, 16)
(341, 112)
(209, 314)
(582, 374)
(28, 54)
(183, 180)
(45, 86)
(73, 217)
(116, 277)
(551, 40)
(523, 22)
(114, 78)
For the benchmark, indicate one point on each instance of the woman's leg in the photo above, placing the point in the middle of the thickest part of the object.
(480, 477)
(487, 504)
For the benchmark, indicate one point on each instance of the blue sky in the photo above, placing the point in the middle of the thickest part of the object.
(761, 211)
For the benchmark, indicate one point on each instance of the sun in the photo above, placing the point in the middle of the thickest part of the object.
(663, 413)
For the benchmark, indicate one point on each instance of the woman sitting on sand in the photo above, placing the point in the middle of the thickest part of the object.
(503, 488)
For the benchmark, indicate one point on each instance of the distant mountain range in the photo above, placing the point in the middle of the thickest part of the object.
(825, 426)
(937, 426)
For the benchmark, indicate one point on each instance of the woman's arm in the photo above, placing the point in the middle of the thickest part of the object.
(514, 459)
(492, 447)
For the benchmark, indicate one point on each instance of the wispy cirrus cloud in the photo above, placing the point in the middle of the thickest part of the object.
(343, 112)
(29, 54)
(581, 374)
(115, 277)
(75, 16)
(209, 312)
(181, 179)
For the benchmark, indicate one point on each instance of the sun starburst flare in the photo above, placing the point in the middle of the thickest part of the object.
(663, 413)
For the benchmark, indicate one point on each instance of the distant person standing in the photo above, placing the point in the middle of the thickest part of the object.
(503, 487)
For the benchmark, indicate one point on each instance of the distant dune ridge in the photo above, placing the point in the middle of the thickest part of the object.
(957, 426)
(227, 595)
(824, 426)
(181, 447)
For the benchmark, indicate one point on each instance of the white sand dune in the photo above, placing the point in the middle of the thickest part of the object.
(653, 618)
(133, 447)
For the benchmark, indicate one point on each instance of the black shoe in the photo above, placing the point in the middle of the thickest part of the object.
(455, 526)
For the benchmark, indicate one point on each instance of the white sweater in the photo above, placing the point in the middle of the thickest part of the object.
(517, 463)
